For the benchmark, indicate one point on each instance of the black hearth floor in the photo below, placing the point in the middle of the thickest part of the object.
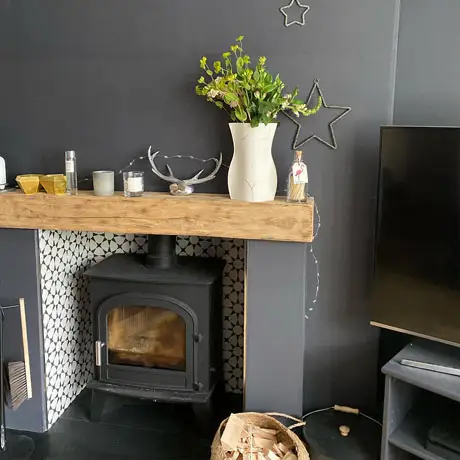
(130, 429)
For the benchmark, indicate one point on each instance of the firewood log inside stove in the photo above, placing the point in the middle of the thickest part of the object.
(146, 336)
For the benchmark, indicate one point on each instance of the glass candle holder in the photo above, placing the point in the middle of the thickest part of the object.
(103, 183)
(133, 182)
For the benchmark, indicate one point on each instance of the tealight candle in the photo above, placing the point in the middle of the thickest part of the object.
(133, 182)
(103, 183)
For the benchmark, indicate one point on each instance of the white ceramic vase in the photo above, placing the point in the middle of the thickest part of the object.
(252, 174)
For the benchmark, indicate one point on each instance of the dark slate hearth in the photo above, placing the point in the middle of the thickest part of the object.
(130, 429)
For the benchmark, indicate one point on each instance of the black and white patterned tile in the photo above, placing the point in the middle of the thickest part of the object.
(65, 255)
(233, 252)
(66, 319)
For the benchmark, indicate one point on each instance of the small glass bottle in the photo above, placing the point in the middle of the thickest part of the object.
(71, 172)
(297, 186)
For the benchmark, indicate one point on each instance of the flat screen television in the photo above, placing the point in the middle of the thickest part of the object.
(416, 286)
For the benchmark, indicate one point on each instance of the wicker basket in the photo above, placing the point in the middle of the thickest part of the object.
(285, 434)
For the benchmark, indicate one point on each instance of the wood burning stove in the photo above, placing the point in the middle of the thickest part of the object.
(157, 322)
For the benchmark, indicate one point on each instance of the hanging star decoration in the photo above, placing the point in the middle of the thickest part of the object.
(333, 145)
(288, 23)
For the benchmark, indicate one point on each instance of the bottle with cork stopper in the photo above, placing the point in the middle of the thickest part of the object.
(297, 186)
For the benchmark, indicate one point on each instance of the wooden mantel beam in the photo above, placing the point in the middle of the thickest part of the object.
(160, 213)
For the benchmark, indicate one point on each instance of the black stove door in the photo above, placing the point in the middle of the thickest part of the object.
(147, 341)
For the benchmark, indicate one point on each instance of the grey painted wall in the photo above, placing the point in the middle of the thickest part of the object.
(108, 78)
(275, 332)
(354, 55)
(428, 70)
(19, 271)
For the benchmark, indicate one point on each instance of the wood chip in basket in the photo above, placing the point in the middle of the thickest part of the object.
(233, 433)
(246, 441)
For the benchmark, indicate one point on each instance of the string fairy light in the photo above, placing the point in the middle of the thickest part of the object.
(312, 254)
(315, 234)
(169, 157)
(316, 261)
(166, 157)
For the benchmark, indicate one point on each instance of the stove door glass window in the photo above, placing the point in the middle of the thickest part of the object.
(147, 336)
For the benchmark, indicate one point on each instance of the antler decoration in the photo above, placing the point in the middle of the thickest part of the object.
(183, 187)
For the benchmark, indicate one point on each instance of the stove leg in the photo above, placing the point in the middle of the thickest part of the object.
(204, 415)
(98, 399)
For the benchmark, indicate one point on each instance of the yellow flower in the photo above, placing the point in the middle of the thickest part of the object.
(203, 62)
(240, 38)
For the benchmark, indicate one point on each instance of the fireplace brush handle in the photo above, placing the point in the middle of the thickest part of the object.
(25, 344)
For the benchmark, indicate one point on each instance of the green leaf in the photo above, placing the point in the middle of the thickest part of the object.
(209, 72)
(241, 114)
(240, 64)
(219, 104)
(230, 97)
(269, 88)
(240, 38)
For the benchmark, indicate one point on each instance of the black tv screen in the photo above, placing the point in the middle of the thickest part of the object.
(417, 255)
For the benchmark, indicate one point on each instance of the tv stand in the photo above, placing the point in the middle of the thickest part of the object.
(414, 398)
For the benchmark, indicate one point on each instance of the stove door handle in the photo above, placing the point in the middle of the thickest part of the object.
(98, 352)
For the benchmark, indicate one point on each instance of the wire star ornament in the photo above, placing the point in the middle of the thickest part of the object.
(288, 23)
(345, 110)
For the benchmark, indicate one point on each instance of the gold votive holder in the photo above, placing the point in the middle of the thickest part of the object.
(29, 183)
(54, 184)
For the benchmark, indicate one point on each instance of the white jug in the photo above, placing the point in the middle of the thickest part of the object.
(2, 173)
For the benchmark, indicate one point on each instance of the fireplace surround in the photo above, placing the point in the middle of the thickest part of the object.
(64, 255)
(157, 324)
